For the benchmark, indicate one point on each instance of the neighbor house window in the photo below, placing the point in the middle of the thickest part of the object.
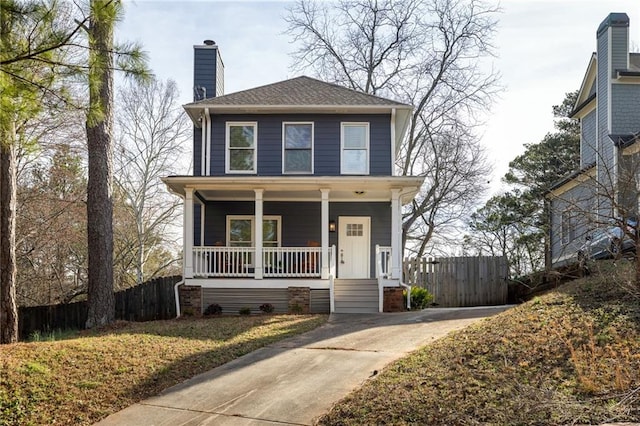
(241, 231)
(568, 227)
(354, 143)
(298, 147)
(242, 141)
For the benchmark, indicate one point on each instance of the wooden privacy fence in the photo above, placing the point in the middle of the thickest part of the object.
(152, 300)
(460, 281)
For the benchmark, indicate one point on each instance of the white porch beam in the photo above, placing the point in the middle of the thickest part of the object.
(188, 233)
(257, 261)
(396, 235)
(324, 242)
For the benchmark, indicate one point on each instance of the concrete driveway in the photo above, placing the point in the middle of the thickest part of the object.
(295, 381)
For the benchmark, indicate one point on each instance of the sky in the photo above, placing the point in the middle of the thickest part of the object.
(543, 48)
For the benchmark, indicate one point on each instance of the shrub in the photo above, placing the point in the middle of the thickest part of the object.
(267, 308)
(188, 312)
(420, 297)
(245, 310)
(213, 309)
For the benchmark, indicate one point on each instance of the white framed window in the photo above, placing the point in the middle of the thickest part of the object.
(354, 148)
(297, 147)
(241, 147)
(241, 231)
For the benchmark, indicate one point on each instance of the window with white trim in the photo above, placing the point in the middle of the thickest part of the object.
(241, 142)
(354, 147)
(241, 231)
(297, 143)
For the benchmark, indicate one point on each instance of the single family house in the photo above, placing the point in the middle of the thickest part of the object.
(604, 192)
(293, 199)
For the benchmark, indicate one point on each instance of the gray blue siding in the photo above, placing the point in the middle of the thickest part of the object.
(207, 72)
(326, 142)
(625, 108)
(588, 139)
(581, 201)
(619, 48)
(605, 148)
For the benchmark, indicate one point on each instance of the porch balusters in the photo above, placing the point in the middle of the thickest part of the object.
(280, 262)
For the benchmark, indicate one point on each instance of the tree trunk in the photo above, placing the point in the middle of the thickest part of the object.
(8, 195)
(99, 187)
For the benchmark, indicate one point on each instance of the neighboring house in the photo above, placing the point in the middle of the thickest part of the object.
(604, 192)
(293, 200)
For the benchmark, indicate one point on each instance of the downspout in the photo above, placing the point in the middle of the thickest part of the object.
(203, 148)
(408, 287)
(177, 296)
(208, 141)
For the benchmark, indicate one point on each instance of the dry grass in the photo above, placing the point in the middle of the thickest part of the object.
(571, 356)
(89, 376)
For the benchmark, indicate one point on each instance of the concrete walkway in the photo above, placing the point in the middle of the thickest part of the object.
(296, 380)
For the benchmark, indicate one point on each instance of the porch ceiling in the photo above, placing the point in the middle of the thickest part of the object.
(297, 188)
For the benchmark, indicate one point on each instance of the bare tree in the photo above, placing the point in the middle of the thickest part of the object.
(428, 54)
(152, 133)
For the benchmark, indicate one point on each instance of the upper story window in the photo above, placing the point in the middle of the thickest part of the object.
(242, 142)
(354, 146)
(297, 153)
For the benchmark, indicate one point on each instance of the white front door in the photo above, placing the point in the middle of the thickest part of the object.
(353, 247)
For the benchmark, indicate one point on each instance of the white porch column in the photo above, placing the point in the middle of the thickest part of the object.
(324, 218)
(188, 233)
(257, 261)
(396, 235)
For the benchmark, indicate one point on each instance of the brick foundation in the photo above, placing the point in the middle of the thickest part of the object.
(190, 300)
(299, 300)
(393, 300)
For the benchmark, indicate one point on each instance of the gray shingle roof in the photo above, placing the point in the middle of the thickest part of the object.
(299, 91)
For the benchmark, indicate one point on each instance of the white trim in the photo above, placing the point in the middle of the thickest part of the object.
(396, 235)
(228, 125)
(324, 240)
(188, 233)
(208, 141)
(344, 124)
(257, 225)
(203, 146)
(284, 149)
(393, 141)
(202, 221)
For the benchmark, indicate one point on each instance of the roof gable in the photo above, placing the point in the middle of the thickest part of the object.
(587, 90)
(299, 91)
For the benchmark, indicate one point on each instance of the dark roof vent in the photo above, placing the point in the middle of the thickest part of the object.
(209, 43)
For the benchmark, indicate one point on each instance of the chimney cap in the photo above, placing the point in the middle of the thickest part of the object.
(613, 20)
(209, 43)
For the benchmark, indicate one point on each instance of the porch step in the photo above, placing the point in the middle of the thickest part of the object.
(355, 296)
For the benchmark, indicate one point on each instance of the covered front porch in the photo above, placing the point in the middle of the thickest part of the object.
(262, 235)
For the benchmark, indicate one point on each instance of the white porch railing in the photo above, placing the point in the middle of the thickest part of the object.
(281, 262)
(223, 261)
(383, 261)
